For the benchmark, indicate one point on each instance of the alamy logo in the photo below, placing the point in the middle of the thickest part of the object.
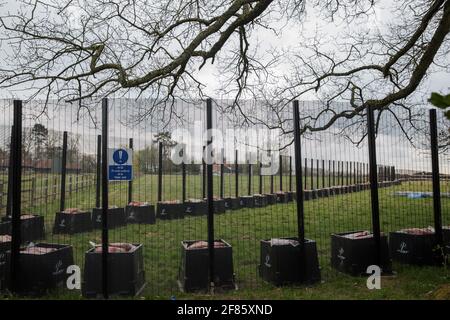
(374, 280)
(99, 218)
(62, 223)
(403, 247)
(74, 279)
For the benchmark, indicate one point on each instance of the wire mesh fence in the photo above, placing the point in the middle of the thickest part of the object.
(163, 214)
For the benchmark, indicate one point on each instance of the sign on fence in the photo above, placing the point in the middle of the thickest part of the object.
(120, 164)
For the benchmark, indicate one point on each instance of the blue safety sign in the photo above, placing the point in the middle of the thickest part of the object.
(120, 164)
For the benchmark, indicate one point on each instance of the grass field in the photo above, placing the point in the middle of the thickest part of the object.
(246, 227)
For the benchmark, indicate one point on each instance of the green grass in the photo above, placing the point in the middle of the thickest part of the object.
(245, 228)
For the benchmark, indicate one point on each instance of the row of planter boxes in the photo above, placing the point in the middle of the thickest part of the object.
(43, 267)
(353, 252)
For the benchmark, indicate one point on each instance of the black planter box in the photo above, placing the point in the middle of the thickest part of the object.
(116, 218)
(280, 263)
(219, 206)
(307, 195)
(5, 227)
(290, 196)
(31, 229)
(194, 270)
(247, 201)
(353, 256)
(353, 188)
(170, 211)
(260, 200)
(4, 248)
(446, 235)
(67, 223)
(144, 214)
(282, 197)
(196, 208)
(126, 275)
(40, 273)
(232, 203)
(322, 193)
(271, 198)
(414, 249)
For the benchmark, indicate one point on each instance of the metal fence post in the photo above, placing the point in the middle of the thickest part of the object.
(436, 179)
(210, 194)
(62, 203)
(222, 168)
(281, 172)
(236, 173)
(10, 174)
(183, 180)
(290, 173)
(16, 195)
(204, 175)
(374, 184)
(299, 190)
(160, 170)
(105, 240)
(98, 172)
(130, 183)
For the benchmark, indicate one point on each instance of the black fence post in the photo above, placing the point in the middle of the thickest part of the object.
(130, 183)
(260, 178)
(299, 190)
(16, 195)
(290, 173)
(62, 203)
(317, 174)
(436, 179)
(10, 175)
(312, 174)
(183, 180)
(249, 179)
(329, 173)
(236, 173)
(105, 204)
(281, 172)
(306, 174)
(210, 195)
(374, 184)
(222, 168)
(99, 171)
(323, 173)
(160, 170)
(204, 175)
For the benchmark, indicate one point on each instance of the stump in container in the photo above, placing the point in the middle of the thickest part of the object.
(247, 201)
(281, 197)
(116, 217)
(271, 198)
(71, 221)
(5, 246)
(280, 262)
(260, 200)
(194, 269)
(42, 267)
(416, 246)
(126, 275)
(352, 252)
(31, 227)
(196, 207)
(232, 203)
(140, 212)
(169, 210)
